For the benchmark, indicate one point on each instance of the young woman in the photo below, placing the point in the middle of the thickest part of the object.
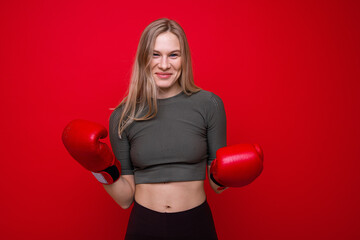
(164, 134)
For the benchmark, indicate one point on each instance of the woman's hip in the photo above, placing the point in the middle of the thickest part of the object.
(195, 223)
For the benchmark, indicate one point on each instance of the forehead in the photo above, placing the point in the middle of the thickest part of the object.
(167, 42)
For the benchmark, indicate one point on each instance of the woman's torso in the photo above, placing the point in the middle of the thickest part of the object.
(174, 147)
(170, 196)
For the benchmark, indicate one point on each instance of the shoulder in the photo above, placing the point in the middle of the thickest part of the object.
(116, 114)
(114, 118)
(204, 95)
(208, 98)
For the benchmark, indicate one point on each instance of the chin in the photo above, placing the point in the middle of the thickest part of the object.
(164, 85)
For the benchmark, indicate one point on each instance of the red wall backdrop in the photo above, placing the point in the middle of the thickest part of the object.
(287, 71)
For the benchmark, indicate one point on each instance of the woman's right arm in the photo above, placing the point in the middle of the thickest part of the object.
(122, 191)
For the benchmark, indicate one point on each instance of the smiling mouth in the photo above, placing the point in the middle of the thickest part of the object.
(163, 75)
(159, 73)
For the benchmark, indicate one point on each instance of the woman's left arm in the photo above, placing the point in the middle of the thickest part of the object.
(216, 133)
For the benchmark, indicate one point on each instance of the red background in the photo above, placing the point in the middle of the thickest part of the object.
(287, 71)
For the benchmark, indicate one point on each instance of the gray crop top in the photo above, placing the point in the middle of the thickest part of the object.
(177, 144)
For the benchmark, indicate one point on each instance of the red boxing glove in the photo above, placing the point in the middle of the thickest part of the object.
(82, 140)
(237, 165)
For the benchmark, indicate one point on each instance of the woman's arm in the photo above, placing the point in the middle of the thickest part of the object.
(122, 191)
(217, 189)
(216, 133)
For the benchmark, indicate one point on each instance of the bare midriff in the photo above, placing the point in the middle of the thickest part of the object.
(170, 196)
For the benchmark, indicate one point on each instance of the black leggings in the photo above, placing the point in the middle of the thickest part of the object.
(196, 223)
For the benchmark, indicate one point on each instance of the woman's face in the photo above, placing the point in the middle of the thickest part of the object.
(166, 64)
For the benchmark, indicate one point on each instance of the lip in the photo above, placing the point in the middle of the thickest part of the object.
(163, 75)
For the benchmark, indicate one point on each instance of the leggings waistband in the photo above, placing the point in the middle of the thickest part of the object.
(145, 209)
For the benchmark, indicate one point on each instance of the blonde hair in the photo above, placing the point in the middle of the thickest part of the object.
(142, 92)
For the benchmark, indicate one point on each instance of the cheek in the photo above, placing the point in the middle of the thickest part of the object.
(152, 65)
(177, 65)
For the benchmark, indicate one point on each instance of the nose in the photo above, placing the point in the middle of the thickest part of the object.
(164, 63)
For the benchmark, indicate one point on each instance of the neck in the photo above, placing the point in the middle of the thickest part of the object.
(167, 93)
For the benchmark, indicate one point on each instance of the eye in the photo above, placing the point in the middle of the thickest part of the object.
(174, 55)
(156, 55)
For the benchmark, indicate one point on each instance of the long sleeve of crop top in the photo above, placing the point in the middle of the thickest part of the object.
(120, 146)
(216, 129)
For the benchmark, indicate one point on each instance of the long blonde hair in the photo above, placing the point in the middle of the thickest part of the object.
(142, 92)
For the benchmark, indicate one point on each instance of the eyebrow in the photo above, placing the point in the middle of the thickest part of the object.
(170, 52)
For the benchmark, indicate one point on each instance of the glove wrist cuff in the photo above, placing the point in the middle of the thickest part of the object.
(216, 182)
(109, 175)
